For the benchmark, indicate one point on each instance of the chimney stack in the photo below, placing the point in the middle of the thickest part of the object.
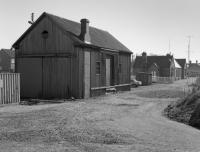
(144, 57)
(85, 35)
(144, 60)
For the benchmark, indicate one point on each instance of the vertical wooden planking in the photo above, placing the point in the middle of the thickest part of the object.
(18, 84)
(2, 93)
(10, 89)
(125, 68)
(57, 77)
(9, 86)
(1, 89)
(56, 42)
(80, 71)
(12, 86)
(93, 69)
(103, 69)
(116, 69)
(4, 90)
(86, 74)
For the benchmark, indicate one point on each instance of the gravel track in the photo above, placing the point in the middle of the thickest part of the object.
(128, 121)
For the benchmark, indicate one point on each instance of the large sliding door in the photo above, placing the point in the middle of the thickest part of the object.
(56, 77)
(30, 70)
(45, 77)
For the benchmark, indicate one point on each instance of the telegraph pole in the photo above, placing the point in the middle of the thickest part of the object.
(189, 40)
(169, 45)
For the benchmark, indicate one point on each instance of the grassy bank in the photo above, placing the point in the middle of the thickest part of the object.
(183, 109)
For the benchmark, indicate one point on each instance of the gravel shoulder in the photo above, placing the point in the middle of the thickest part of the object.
(128, 121)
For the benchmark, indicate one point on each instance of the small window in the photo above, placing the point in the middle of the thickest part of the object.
(98, 68)
(45, 34)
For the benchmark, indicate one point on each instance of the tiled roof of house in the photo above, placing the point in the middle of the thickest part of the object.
(9, 52)
(99, 37)
(194, 67)
(160, 61)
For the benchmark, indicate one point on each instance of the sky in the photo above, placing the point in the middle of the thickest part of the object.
(154, 26)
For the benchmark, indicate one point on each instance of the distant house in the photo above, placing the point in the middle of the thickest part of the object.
(59, 58)
(178, 70)
(193, 69)
(7, 60)
(183, 64)
(160, 66)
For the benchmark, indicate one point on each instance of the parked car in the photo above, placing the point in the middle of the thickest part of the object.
(135, 83)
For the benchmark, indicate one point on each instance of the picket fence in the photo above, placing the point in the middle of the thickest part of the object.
(9, 88)
(163, 79)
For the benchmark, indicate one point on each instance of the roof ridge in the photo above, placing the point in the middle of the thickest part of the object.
(99, 37)
(75, 22)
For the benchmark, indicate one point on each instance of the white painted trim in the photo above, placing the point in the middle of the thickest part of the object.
(106, 87)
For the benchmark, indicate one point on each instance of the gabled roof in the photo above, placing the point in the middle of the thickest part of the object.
(181, 62)
(194, 67)
(177, 65)
(160, 61)
(9, 52)
(99, 38)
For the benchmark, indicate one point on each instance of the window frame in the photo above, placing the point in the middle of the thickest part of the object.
(98, 68)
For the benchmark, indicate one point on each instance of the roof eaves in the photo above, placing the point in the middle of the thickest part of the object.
(98, 47)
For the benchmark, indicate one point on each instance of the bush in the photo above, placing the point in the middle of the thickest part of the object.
(187, 110)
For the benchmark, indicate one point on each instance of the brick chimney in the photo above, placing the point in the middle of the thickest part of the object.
(85, 35)
(144, 61)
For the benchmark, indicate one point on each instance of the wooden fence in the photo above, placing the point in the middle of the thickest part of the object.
(9, 88)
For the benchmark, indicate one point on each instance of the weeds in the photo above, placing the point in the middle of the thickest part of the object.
(182, 110)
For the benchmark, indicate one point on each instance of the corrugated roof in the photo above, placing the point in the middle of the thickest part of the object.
(99, 37)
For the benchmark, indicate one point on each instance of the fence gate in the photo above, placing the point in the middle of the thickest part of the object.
(9, 88)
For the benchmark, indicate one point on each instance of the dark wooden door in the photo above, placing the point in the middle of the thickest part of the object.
(30, 70)
(56, 77)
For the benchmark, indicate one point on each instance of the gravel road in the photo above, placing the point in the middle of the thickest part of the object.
(123, 122)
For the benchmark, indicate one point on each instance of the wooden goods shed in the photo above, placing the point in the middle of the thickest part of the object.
(59, 58)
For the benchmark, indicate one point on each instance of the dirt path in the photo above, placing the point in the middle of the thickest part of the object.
(130, 121)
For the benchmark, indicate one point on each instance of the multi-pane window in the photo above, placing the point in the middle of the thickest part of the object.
(98, 67)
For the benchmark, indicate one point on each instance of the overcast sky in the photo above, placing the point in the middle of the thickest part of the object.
(141, 25)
